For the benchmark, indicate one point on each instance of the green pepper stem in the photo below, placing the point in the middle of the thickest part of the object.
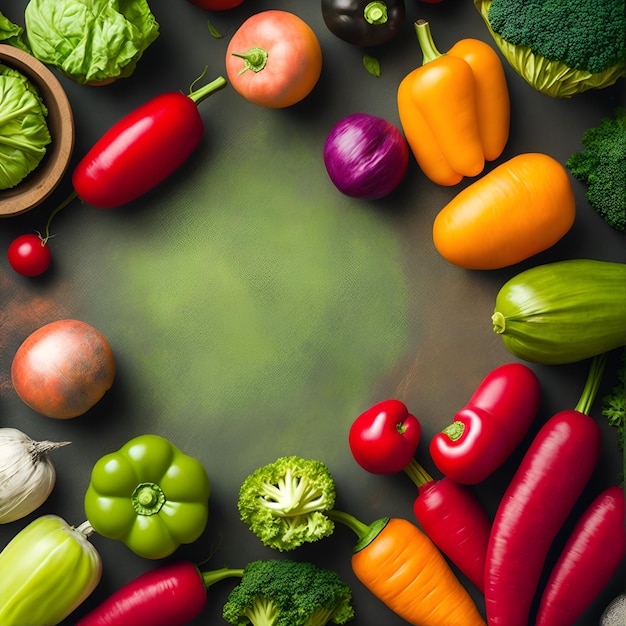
(213, 576)
(147, 499)
(255, 59)
(592, 384)
(454, 431)
(417, 473)
(85, 529)
(375, 12)
(499, 322)
(426, 42)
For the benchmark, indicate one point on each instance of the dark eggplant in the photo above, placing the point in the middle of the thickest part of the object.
(364, 23)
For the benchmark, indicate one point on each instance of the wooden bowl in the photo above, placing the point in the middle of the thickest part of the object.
(42, 181)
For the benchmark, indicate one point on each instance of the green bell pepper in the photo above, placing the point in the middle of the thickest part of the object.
(148, 495)
(46, 571)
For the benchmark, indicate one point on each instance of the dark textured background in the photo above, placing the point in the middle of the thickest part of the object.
(255, 312)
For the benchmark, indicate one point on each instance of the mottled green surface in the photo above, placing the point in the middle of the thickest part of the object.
(257, 299)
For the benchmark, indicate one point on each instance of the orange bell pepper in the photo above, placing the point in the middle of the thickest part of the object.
(454, 109)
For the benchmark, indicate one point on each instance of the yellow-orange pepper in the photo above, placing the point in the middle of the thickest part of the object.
(454, 109)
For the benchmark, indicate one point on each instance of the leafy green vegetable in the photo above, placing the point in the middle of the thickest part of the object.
(285, 503)
(90, 41)
(288, 593)
(560, 47)
(12, 34)
(601, 165)
(372, 65)
(614, 403)
(24, 133)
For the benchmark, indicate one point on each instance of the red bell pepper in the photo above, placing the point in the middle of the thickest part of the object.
(486, 431)
(383, 440)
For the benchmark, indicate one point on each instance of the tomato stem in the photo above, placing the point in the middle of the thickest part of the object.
(70, 198)
(255, 59)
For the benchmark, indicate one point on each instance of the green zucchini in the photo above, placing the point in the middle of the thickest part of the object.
(563, 312)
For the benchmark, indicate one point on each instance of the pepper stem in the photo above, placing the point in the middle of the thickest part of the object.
(204, 92)
(85, 529)
(70, 198)
(147, 499)
(499, 322)
(426, 42)
(375, 12)
(591, 384)
(214, 576)
(255, 59)
(454, 431)
(417, 473)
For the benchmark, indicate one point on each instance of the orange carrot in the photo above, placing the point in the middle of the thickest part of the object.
(517, 210)
(403, 568)
(454, 108)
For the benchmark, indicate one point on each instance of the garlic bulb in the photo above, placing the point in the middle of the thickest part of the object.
(27, 475)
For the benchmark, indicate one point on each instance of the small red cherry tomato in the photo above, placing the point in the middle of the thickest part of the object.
(29, 255)
(216, 5)
(384, 438)
(274, 59)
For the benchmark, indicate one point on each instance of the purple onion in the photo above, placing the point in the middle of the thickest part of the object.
(365, 156)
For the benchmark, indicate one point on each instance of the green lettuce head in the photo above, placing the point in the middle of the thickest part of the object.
(24, 133)
(90, 41)
(560, 47)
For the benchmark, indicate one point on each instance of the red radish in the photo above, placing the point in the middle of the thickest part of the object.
(170, 595)
(453, 518)
(536, 504)
(590, 557)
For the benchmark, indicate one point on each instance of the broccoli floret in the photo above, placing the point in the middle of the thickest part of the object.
(584, 34)
(285, 503)
(614, 403)
(601, 165)
(288, 593)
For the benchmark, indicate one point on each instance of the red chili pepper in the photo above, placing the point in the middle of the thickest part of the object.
(590, 557)
(143, 148)
(486, 431)
(536, 504)
(383, 440)
(170, 595)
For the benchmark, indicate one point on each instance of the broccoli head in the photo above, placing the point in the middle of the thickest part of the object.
(560, 47)
(601, 165)
(288, 593)
(614, 403)
(285, 503)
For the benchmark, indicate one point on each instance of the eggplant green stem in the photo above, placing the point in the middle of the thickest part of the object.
(375, 12)
(426, 42)
(592, 384)
(255, 59)
(417, 473)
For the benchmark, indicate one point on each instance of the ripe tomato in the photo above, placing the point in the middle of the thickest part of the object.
(29, 255)
(274, 59)
(63, 369)
(217, 5)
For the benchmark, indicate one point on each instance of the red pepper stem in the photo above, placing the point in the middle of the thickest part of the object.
(204, 92)
(213, 576)
(426, 42)
(417, 473)
(592, 384)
